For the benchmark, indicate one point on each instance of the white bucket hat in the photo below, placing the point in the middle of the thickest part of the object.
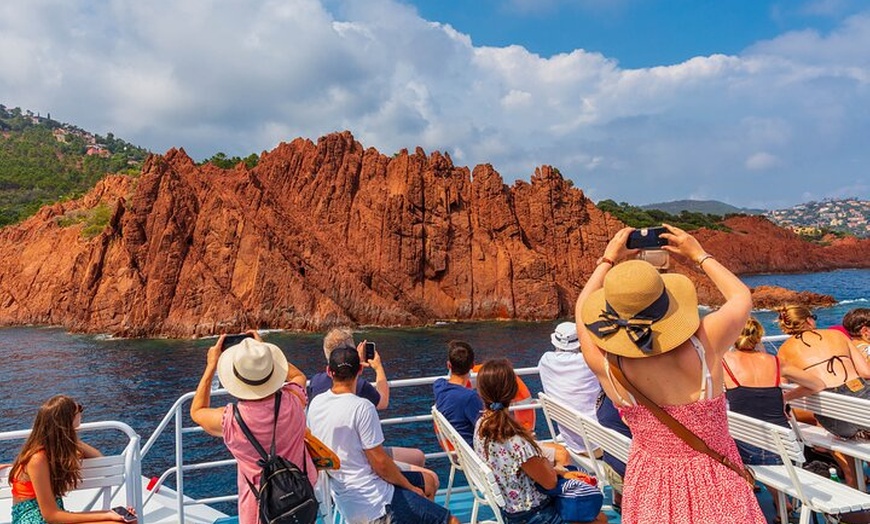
(564, 338)
(252, 370)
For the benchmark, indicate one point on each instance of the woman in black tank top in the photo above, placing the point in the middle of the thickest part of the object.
(752, 386)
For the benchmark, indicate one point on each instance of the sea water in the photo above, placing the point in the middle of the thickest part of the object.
(138, 381)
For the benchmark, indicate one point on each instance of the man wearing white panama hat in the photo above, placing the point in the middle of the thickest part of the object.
(253, 371)
(566, 377)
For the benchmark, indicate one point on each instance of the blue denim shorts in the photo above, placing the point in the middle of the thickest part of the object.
(755, 456)
(546, 513)
(407, 507)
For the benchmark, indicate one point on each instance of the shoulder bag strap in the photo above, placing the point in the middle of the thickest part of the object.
(681, 431)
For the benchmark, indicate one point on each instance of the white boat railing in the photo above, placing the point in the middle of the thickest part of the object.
(176, 414)
(178, 409)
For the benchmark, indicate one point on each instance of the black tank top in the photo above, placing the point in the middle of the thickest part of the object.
(763, 403)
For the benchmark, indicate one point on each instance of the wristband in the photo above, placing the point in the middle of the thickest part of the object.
(605, 260)
(703, 258)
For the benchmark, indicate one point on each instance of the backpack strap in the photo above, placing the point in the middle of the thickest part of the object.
(681, 431)
(250, 436)
(253, 440)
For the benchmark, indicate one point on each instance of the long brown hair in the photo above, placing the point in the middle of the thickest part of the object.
(497, 386)
(55, 434)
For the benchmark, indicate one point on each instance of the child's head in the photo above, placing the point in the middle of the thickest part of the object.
(497, 386)
(460, 356)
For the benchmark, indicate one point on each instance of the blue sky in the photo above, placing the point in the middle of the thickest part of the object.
(756, 103)
(636, 33)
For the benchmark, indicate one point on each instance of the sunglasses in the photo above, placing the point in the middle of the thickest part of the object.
(814, 317)
(79, 408)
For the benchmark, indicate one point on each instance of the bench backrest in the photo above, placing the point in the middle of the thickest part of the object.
(102, 473)
(765, 435)
(102, 477)
(480, 477)
(834, 405)
(591, 430)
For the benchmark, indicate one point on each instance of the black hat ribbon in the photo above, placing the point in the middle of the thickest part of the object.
(638, 328)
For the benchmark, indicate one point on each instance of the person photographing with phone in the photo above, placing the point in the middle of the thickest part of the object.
(660, 363)
(378, 395)
(254, 372)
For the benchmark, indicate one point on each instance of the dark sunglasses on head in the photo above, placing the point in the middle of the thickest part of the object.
(79, 408)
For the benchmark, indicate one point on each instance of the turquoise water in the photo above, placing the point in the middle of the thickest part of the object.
(137, 381)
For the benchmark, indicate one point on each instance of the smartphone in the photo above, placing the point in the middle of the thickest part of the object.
(370, 351)
(121, 510)
(232, 340)
(646, 238)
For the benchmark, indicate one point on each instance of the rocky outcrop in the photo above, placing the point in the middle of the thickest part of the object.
(769, 297)
(317, 235)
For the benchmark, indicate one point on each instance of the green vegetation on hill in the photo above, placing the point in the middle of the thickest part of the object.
(635, 216)
(221, 160)
(707, 207)
(42, 161)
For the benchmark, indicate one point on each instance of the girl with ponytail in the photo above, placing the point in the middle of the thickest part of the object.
(517, 461)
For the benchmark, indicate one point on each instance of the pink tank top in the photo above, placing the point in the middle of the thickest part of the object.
(290, 434)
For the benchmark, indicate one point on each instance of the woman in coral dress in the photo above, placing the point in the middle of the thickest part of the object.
(650, 323)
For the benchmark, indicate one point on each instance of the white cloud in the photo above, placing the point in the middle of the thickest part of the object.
(241, 76)
(762, 161)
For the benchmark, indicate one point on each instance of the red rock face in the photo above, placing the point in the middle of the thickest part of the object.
(331, 233)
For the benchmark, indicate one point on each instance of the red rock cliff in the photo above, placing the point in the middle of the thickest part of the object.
(323, 234)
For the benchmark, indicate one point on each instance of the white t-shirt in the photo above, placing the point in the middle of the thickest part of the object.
(349, 425)
(566, 377)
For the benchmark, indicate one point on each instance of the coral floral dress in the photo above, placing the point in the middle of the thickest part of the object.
(667, 481)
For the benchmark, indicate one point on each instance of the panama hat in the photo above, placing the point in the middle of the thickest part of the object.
(564, 337)
(252, 370)
(640, 312)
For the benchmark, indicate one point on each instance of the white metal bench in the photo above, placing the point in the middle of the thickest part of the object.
(593, 433)
(816, 493)
(102, 477)
(480, 477)
(840, 407)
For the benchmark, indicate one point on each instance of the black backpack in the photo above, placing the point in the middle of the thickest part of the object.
(285, 495)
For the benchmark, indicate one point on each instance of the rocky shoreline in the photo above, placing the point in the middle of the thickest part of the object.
(327, 233)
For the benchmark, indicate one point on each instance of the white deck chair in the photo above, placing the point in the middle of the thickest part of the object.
(324, 497)
(453, 457)
(816, 493)
(480, 477)
(840, 407)
(593, 433)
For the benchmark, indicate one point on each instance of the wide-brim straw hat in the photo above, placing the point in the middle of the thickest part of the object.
(633, 289)
(252, 370)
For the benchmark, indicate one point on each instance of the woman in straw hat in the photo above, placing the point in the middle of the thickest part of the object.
(254, 371)
(642, 328)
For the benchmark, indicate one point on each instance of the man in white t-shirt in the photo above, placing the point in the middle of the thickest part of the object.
(566, 377)
(368, 487)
